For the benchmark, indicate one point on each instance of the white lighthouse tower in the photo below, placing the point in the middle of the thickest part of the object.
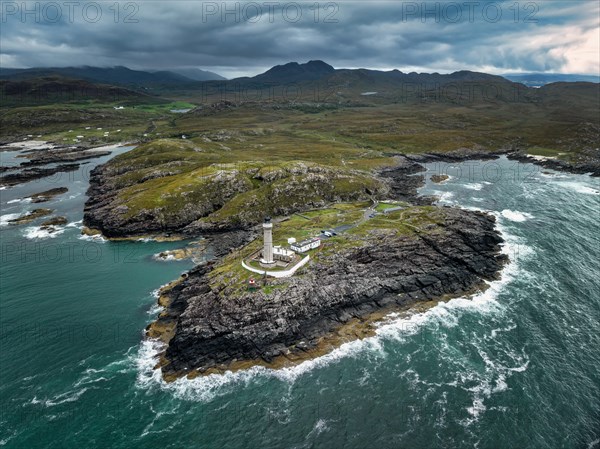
(267, 253)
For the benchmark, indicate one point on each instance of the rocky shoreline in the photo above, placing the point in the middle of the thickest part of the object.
(31, 174)
(208, 332)
(334, 300)
(587, 161)
(45, 160)
(588, 165)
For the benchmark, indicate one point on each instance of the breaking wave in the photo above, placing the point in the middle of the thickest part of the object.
(395, 327)
(516, 216)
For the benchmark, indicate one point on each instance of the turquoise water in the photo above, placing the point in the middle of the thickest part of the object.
(516, 366)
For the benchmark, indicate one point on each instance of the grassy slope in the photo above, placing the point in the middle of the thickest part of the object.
(249, 143)
(61, 123)
(228, 186)
(563, 117)
(350, 142)
(232, 277)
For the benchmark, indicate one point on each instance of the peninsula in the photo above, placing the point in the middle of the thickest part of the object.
(349, 243)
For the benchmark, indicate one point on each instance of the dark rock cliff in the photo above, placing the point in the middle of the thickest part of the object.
(453, 258)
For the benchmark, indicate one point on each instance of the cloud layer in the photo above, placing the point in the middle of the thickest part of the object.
(245, 38)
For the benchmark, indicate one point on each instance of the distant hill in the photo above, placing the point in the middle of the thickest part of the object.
(293, 72)
(313, 81)
(317, 81)
(199, 75)
(541, 79)
(59, 90)
(112, 75)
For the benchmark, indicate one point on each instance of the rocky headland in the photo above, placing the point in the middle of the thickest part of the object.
(44, 159)
(210, 325)
(586, 162)
(211, 322)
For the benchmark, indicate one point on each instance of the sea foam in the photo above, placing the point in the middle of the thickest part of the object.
(4, 219)
(580, 188)
(395, 327)
(516, 216)
(34, 233)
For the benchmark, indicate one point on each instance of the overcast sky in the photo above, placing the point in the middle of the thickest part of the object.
(246, 38)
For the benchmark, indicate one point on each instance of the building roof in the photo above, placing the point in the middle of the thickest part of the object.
(307, 241)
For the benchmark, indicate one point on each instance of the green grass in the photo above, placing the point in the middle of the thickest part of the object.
(334, 131)
(170, 176)
(165, 108)
(546, 152)
(410, 222)
(136, 122)
(384, 206)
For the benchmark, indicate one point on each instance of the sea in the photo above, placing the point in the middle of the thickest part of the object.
(516, 366)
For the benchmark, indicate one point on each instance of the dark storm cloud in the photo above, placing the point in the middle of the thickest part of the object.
(238, 38)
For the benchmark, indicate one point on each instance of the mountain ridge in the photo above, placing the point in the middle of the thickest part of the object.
(119, 75)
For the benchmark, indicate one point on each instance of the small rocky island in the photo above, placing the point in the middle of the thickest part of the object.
(213, 322)
(382, 248)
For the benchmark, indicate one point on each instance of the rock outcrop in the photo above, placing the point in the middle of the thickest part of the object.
(214, 199)
(30, 174)
(48, 195)
(208, 330)
(30, 216)
(587, 161)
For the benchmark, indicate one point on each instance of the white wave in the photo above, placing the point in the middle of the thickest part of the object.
(474, 186)
(206, 388)
(90, 380)
(319, 427)
(34, 233)
(155, 309)
(447, 313)
(156, 292)
(19, 200)
(395, 327)
(69, 396)
(552, 175)
(444, 197)
(93, 238)
(580, 188)
(514, 215)
(166, 258)
(3, 187)
(7, 438)
(74, 224)
(4, 219)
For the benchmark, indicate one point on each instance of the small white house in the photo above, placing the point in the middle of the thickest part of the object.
(283, 254)
(306, 245)
(291, 240)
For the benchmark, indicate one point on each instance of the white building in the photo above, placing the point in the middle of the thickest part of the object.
(306, 245)
(267, 252)
(282, 254)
